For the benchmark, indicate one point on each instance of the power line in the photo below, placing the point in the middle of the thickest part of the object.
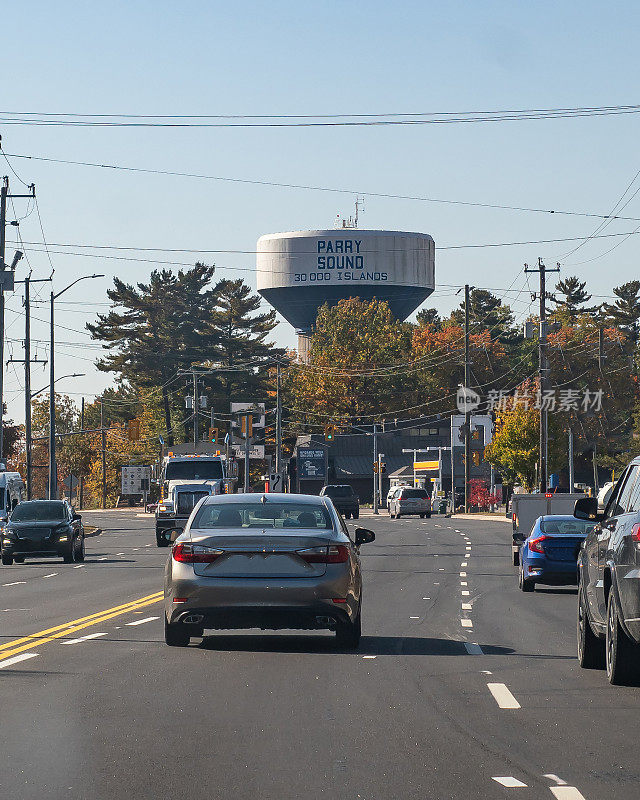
(308, 187)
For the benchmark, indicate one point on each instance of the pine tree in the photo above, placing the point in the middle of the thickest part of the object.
(625, 312)
(571, 297)
(486, 312)
(157, 328)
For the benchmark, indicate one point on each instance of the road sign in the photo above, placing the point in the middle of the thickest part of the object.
(256, 451)
(426, 465)
(276, 482)
(135, 479)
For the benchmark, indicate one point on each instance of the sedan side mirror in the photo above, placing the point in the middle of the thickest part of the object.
(76, 515)
(364, 536)
(175, 533)
(586, 508)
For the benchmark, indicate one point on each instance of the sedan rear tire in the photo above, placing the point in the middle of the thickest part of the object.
(348, 633)
(621, 653)
(590, 647)
(176, 634)
(7, 560)
(525, 584)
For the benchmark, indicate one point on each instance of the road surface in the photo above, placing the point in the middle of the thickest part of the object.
(464, 687)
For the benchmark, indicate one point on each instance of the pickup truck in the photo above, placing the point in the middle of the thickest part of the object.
(609, 582)
(525, 510)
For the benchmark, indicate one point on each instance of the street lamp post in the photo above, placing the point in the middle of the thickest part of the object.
(53, 469)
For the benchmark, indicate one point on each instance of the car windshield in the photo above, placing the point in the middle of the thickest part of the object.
(569, 526)
(38, 511)
(415, 493)
(262, 515)
(194, 469)
(339, 491)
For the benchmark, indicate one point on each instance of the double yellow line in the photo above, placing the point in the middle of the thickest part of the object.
(16, 646)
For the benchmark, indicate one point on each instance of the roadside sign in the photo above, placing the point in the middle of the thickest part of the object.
(310, 463)
(426, 465)
(276, 482)
(135, 480)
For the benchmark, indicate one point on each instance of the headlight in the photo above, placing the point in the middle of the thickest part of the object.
(63, 538)
(165, 508)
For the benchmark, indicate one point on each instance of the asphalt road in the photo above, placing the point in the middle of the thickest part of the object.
(443, 700)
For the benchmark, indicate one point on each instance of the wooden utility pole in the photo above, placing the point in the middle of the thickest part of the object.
(467, 413)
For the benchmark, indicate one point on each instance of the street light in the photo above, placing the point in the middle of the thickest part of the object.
(53, 470)
(61, 378)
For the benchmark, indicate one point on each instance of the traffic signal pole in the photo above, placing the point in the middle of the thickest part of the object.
(375, 456)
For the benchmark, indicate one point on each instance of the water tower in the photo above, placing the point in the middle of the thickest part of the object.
(299, 271)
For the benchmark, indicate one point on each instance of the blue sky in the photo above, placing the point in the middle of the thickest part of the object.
(317, 58)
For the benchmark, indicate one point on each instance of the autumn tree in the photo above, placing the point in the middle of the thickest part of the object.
(514, 448)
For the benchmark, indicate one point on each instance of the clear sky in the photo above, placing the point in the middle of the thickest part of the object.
(325, 57)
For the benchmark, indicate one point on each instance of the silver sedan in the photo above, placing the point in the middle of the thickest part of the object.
(269, 561)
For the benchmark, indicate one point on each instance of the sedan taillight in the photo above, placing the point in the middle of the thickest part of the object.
(334, 554)
(195, 553)
(635, 532)
(536, 544)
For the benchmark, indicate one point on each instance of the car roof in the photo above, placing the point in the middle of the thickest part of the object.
(271, 497)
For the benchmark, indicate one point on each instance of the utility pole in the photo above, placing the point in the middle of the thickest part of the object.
(6, 284)
(247, 426)
(543, 373)
(571, 476)
(81, 476)
(453, 472)
(467, 413)
(195, 411)
(375, 456)
(278, 419)
(103, 438)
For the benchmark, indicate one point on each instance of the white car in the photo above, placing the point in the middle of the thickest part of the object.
(408, 500)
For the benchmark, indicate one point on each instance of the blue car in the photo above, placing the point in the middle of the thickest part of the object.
(549, 554)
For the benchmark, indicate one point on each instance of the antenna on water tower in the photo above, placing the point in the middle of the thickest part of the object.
(352, 222)
(359, 208)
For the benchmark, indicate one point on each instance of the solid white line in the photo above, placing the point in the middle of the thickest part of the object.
(502, 695)
(510, 782)
(566, 793)
(473, 649)
(51, 575)
(467, 607)
(17, 659)
(142, 621)
(466, 623)
(84, 638)
(15, 583)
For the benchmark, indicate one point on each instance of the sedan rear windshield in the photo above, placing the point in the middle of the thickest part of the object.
(258, 515)
(38, 511)
(415, 493)
(568, 526)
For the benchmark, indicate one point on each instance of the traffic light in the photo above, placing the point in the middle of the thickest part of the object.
(133, 430)
(375, 467)
(383, 468)
(246, 426)
(329, 432)
(214, 435)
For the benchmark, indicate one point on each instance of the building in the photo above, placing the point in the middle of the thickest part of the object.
(350, 457)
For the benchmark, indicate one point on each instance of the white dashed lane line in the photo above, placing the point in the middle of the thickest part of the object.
(465, 593)
(15, 583)
(17, 659)
(466, 623)
(467, 607)
(503, 696)
(464, 564)
(79, 566)
(50, 575)
(509, 781)
(463, 583)
(142, 621)
(566, 793)
(85, 638)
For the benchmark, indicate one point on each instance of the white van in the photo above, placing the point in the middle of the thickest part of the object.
(11, 493)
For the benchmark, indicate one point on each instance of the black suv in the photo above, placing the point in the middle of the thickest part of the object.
(609, 582)
(42, 528)
(344, 499)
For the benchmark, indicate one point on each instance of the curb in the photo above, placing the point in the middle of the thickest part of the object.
(93, 531)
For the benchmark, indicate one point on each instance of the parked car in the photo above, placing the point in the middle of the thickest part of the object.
(549, 555)
(609, 581)
(408, 500)
(40, 528)
(268, 561)
(344, 499)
